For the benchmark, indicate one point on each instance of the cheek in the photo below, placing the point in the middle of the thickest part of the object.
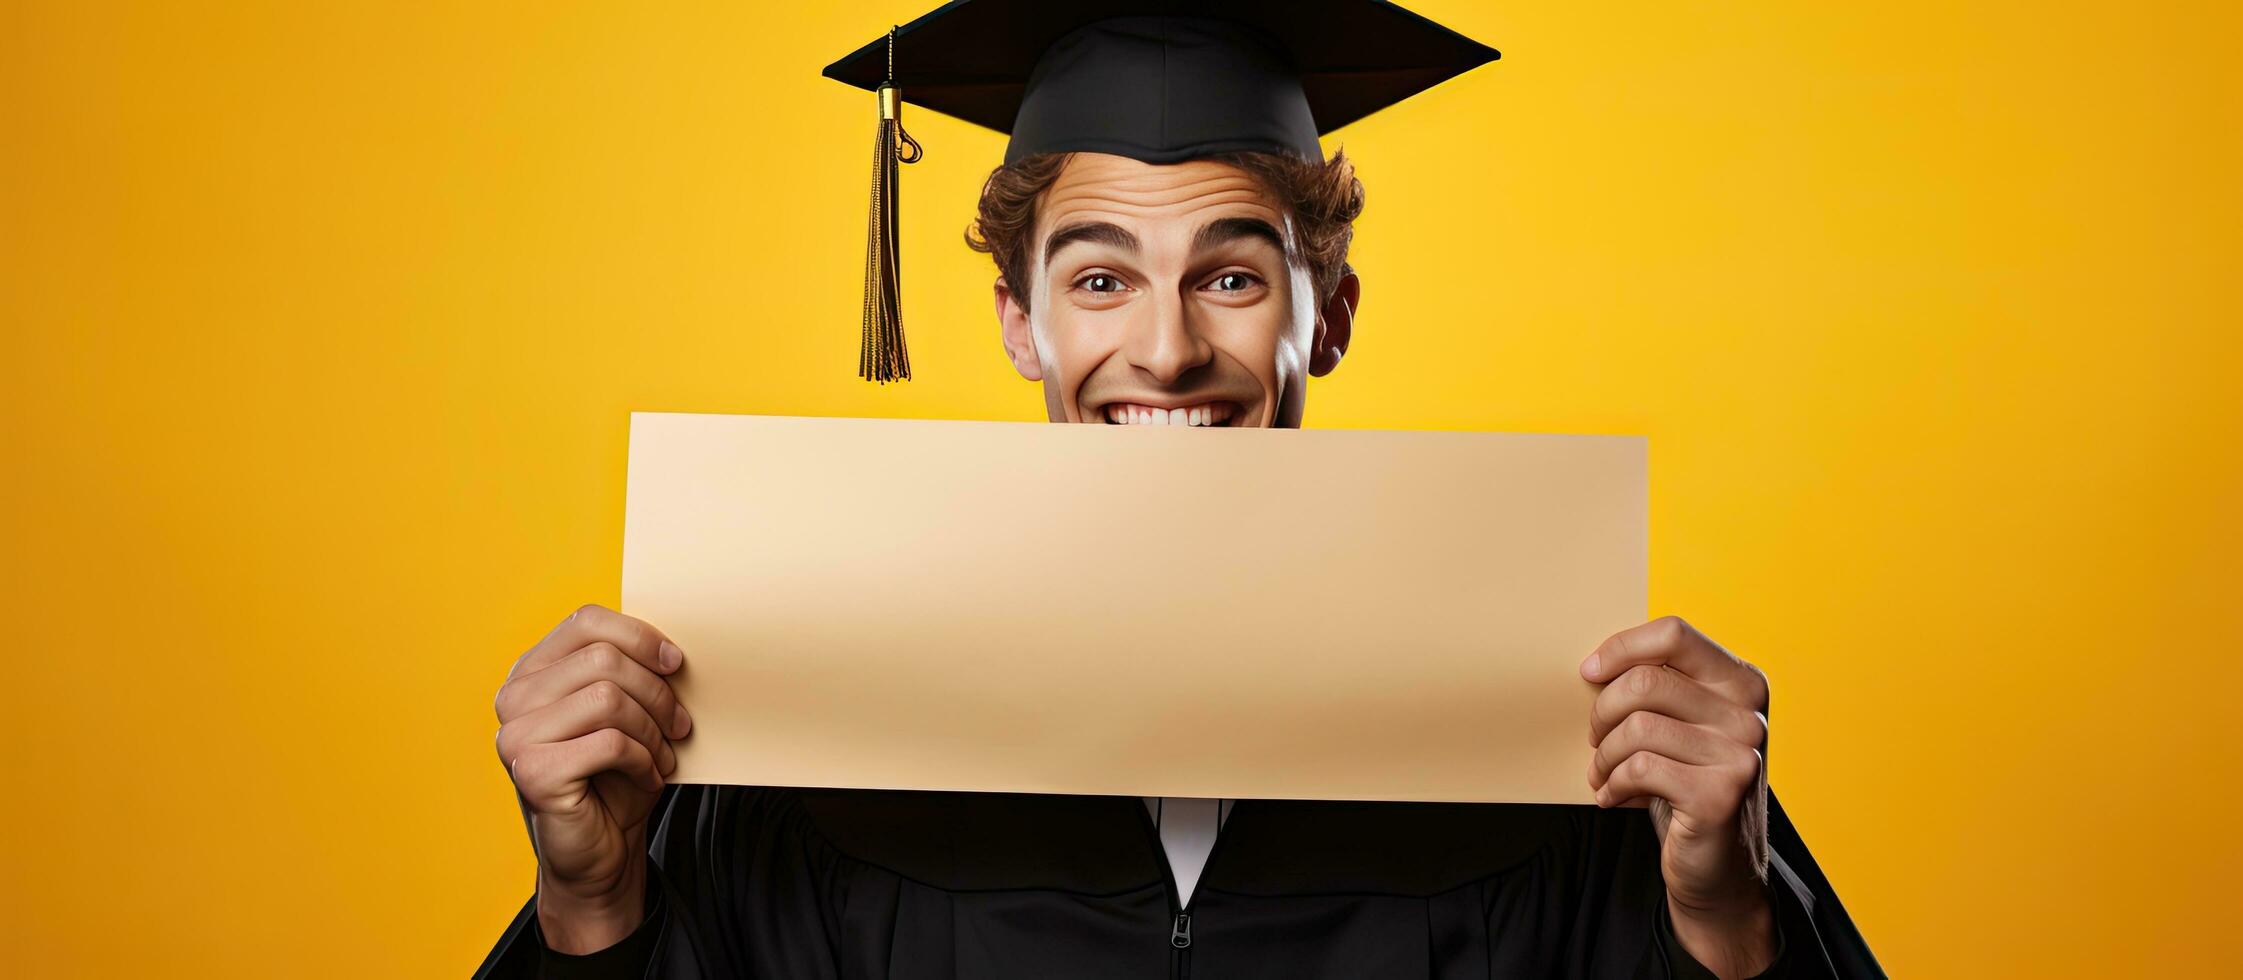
(1298, 329)
(1250, 337)
(1076, 341)
(1263, 337)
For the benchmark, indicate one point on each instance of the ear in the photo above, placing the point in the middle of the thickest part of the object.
(1335, 325)
(1019, 339)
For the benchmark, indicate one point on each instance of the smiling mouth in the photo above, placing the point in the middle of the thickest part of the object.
(1202, 415)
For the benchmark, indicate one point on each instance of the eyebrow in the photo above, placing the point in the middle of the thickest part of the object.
(1099, 232)
(1223, 231)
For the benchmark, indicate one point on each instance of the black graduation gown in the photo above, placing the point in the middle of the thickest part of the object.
(817, 884)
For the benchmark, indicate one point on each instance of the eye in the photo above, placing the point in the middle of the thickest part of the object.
(1231, 282)
(1100, 283)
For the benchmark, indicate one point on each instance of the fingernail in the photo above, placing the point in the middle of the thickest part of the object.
(1589, 666)
(671, 655)
(683, 723)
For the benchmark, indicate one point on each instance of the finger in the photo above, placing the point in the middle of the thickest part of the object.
(1647, 731)
(1677, 644)
(600, 704)
(1649, 774)
(1705, 794)
(594, 624)
(1663, 689)
(555, 775)
(600, 661)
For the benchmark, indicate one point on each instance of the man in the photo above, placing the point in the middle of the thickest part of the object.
(1171, 247)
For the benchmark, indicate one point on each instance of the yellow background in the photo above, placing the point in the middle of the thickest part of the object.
(322, 324)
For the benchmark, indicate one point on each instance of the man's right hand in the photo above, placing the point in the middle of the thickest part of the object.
(585, 723)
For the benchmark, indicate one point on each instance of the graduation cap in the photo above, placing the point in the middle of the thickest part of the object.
(1161, 82)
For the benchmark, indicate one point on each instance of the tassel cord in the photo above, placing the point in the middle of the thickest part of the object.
(882, 356)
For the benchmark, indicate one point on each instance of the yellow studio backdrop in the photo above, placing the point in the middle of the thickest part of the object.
(323, 323)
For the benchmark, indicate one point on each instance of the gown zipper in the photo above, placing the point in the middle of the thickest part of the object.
(1180, 921)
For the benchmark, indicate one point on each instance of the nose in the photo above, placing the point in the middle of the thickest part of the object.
(1163, 344)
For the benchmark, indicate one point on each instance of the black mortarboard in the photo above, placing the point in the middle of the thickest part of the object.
(1161, 82)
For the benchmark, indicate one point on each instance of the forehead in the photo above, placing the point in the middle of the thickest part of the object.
(1103, 187)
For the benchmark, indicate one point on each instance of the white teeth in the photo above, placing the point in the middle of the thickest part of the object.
(1196, 416)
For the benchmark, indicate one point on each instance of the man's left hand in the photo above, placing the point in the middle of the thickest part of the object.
(1680, 727)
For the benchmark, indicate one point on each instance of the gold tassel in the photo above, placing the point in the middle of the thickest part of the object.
(883, 358)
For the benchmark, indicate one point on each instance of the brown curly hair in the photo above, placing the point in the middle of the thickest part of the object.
(1323, 199)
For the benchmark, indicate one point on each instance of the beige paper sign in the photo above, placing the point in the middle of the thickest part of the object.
(1154, 611)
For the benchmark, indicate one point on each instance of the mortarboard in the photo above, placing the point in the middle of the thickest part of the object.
(1161, 82)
